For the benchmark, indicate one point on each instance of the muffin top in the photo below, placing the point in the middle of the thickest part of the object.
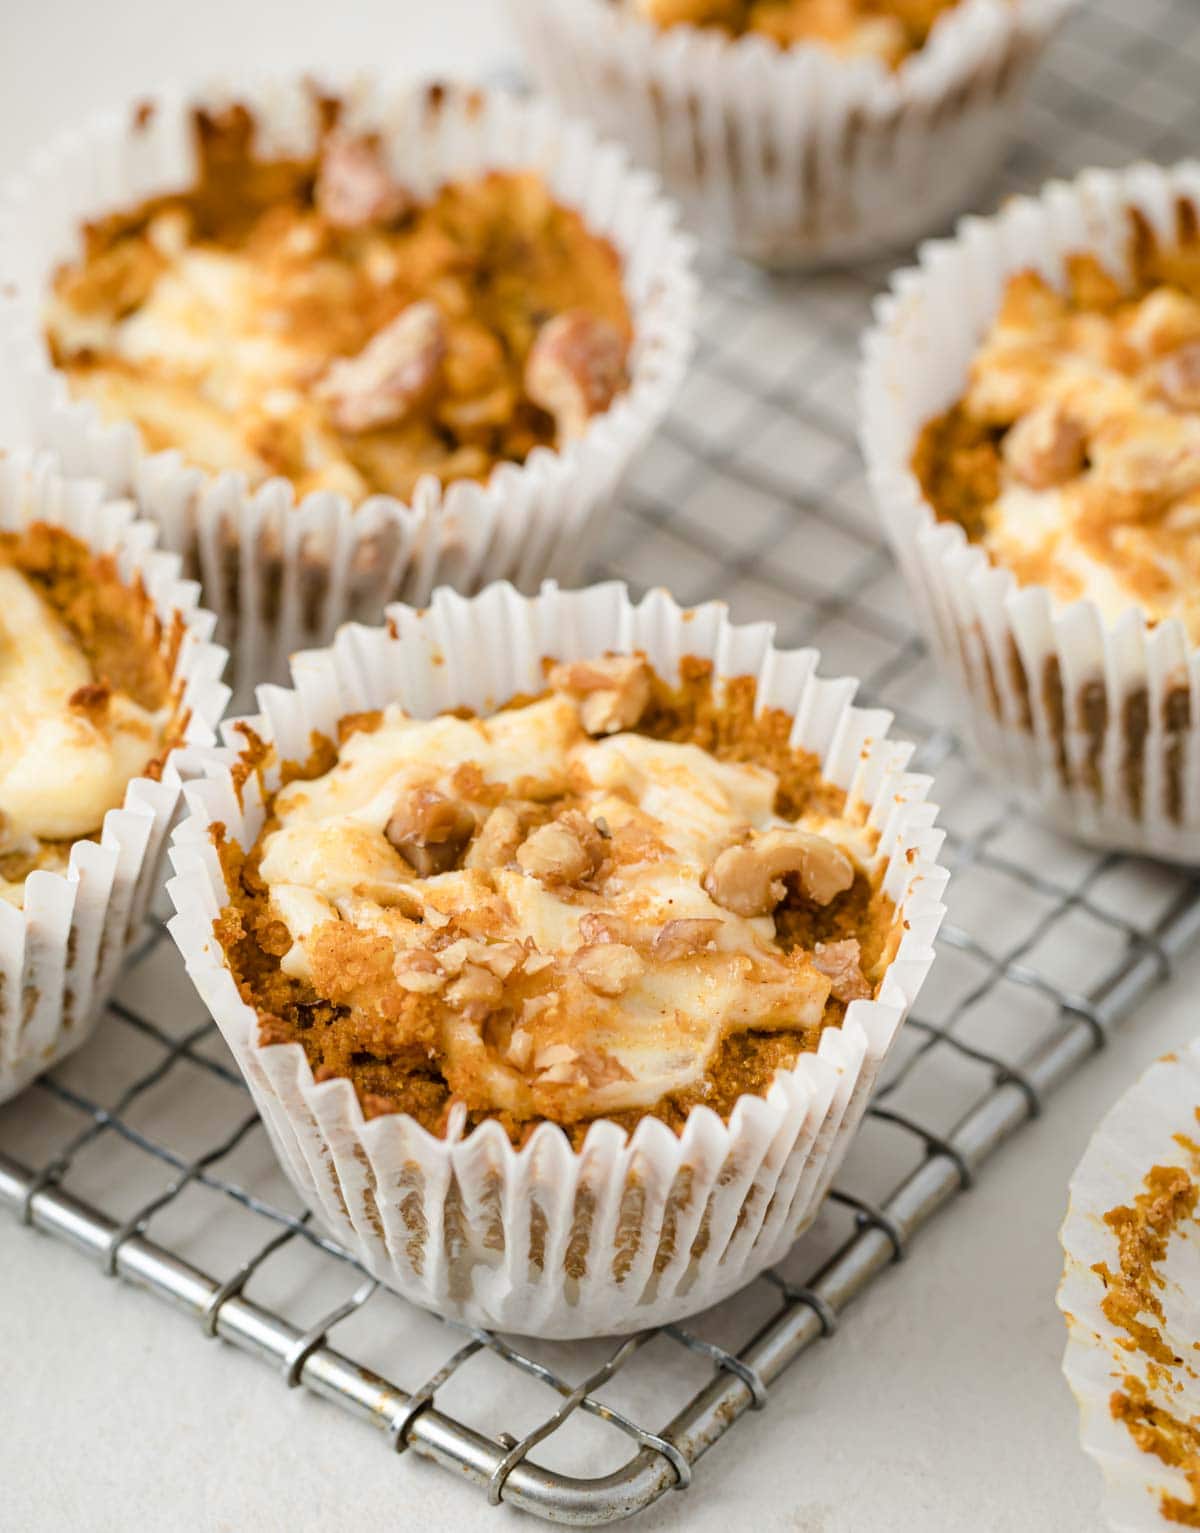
(615, 899)
(312, 319)
(1073, 457)
(85, 682)
(884, 29)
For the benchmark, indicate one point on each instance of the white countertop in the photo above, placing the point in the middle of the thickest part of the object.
(941, 1405)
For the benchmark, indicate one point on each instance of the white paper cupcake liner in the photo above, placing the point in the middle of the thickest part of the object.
(60, 954)
(282, 576)
(1094, 725)
(1142, 1131)
(795, 157)
(627, 1232)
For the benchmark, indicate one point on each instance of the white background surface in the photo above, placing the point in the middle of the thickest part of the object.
(940, 1408)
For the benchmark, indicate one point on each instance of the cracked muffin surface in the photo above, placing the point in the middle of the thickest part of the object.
(1073, 457)
(313, 319)
(85, 698)
(618, 898)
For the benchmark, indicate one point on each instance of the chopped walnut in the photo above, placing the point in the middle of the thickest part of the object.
(574, 369)
(567, 851)
(748, 879)
(685, 937)
(1045, 448)
(615, 691)
(395, 371)
(429, 830)
(556, 1064)
(595, 926)
(841, 962)
(1179, 377)
(520, 1048)
(599, 1068)
(608, 968)
(475, 990)
(354, 186)
(418, 971)
(497, 843)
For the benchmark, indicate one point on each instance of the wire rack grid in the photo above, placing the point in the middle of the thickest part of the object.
(143, 1150)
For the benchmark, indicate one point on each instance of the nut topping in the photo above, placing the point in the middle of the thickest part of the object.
(685, 937)
(1045, 448)
(353, 184)
(615, 691)
(396, 370)
(842, 963)
(418, 971)
(1179, 377)
(749, 879)
(429, 831)
(567, 851)
(574, 369)
(497, 843)
(608, 968)
(475, 990)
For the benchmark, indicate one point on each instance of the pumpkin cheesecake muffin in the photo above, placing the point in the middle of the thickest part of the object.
(86, 697)
(1073, 457)
(345, 345)
(560, 941)
(884, 29)
(1035, 455)
(616, 899)
(107, 682)
(315, 319)
(799, 133)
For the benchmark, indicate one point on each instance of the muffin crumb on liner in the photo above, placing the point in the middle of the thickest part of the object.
(795, 157)
(1094, 725)
(282, 576)
(528, 1239)
(60, 954)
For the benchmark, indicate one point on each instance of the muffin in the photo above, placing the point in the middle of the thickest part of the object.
(105, 677)
(1128, 1297)
(1035, 455)
(799, 132)
(346, 346)
(560, 942)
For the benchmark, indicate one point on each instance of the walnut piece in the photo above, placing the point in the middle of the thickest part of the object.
(1045, 448)
(475, 990)
(354, 187)
(608, 968)
(497, 843)
(574, 369)
(567, 851)
(1179, 377)
(596, 926)
(429, 830)
(685, 937)
(418, 971)
(615, 691)
(842, 963)
(748, 879)
(396, 370)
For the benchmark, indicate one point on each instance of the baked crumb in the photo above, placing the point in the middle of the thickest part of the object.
(312, 319)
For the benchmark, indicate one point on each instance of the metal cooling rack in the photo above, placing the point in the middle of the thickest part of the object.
(143, 1151)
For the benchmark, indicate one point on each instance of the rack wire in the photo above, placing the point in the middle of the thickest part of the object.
(143, 1151)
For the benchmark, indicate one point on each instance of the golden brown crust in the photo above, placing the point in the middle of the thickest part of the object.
(363, 1016)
